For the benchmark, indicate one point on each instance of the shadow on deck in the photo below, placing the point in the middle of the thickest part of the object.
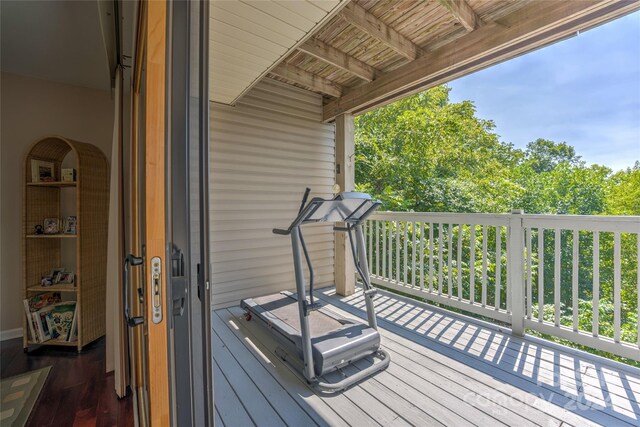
(446, 369)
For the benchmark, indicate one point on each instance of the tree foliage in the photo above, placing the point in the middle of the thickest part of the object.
(424, 153)
(427, 154)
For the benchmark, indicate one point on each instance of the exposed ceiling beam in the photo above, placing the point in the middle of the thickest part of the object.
(338, 58)
(305, 78)
(463, 13)
(535, 25)
(367, 22)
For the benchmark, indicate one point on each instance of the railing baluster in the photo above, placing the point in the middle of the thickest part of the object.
(616, 286)
(365, 231)
(498, 265)
(472, 264)
(389, 253)
(484, 265)
(449, 259)
(413, 256)
(440, 231)
(541, 274)
(421, 255)
(377, 248)
(430, 257)
(404, 258)
(574, 279)
(529, 282)
(460, 261)
(370, 241)
(596, 284)
(508, 285)
(398, 252)
(638, 284)
(556, 276)
(384, 249)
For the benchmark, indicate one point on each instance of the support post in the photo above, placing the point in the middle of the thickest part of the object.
(345, 177)
(515, 270)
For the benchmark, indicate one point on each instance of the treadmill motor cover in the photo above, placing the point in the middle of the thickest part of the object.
(342, 347)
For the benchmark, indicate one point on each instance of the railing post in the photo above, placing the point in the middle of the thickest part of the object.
(345, 271)
(515, 270)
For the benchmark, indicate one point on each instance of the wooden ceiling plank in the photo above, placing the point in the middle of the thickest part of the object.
(463, 13)
(535, 25)
(305, 78)
(338, 58)
(367, 22)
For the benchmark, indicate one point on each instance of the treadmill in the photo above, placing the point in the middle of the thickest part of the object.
(312, 339)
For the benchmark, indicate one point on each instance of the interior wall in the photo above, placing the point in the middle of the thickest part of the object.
(30, 109)
(264, 152)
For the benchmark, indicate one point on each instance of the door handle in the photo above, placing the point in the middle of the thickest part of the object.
(134, 261)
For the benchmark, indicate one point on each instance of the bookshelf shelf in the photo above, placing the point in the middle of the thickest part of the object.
(43, 253)
(54, 184)
(54, 342)
(51, 236)
(52, 288)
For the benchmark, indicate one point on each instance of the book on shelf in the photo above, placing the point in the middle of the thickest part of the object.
(60, 320)
(49, 317)
(30, 322)
(35, 303)
(73, 334)
(42, 326)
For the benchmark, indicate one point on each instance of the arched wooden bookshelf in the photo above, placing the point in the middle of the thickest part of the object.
(43, 252)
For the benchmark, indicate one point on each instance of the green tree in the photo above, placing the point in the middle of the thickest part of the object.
(623, 196)
(544, 155)
(424, 153)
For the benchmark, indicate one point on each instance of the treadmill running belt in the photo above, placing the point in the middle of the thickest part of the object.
(286, 309)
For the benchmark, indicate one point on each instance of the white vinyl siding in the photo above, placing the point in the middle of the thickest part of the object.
(249, 37)
(264, 152)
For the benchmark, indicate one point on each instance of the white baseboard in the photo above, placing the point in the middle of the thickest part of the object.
(10, 333)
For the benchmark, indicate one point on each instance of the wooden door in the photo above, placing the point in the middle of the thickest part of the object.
(148, 340)
(156, 317)
(169, 297)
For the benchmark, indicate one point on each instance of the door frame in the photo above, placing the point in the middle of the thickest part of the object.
(152, 166)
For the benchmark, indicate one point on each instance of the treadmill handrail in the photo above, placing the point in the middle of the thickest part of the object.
(307, 212)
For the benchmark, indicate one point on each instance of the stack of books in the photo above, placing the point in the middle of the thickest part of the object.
(50, 318)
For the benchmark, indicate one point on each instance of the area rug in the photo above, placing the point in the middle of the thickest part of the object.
(18, 395)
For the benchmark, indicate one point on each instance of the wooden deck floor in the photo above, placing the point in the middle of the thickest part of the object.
(445, 370)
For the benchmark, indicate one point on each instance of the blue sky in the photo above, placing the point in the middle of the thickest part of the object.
(584, 91)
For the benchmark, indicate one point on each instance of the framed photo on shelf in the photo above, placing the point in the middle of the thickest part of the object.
(66, 278)
(51, 225)
(42, 171)
(70, 225)
(55, 274)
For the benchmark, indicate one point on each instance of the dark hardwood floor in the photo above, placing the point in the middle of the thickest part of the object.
(77, 391)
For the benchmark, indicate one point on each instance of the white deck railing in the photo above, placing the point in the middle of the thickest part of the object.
(556, 274)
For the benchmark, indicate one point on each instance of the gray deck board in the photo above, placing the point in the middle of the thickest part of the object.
(445, 369)
(278, 397)
(247, 390)
(352, 414)
(227, 403)
(495, 345)
(277, 378)
(608, 396)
